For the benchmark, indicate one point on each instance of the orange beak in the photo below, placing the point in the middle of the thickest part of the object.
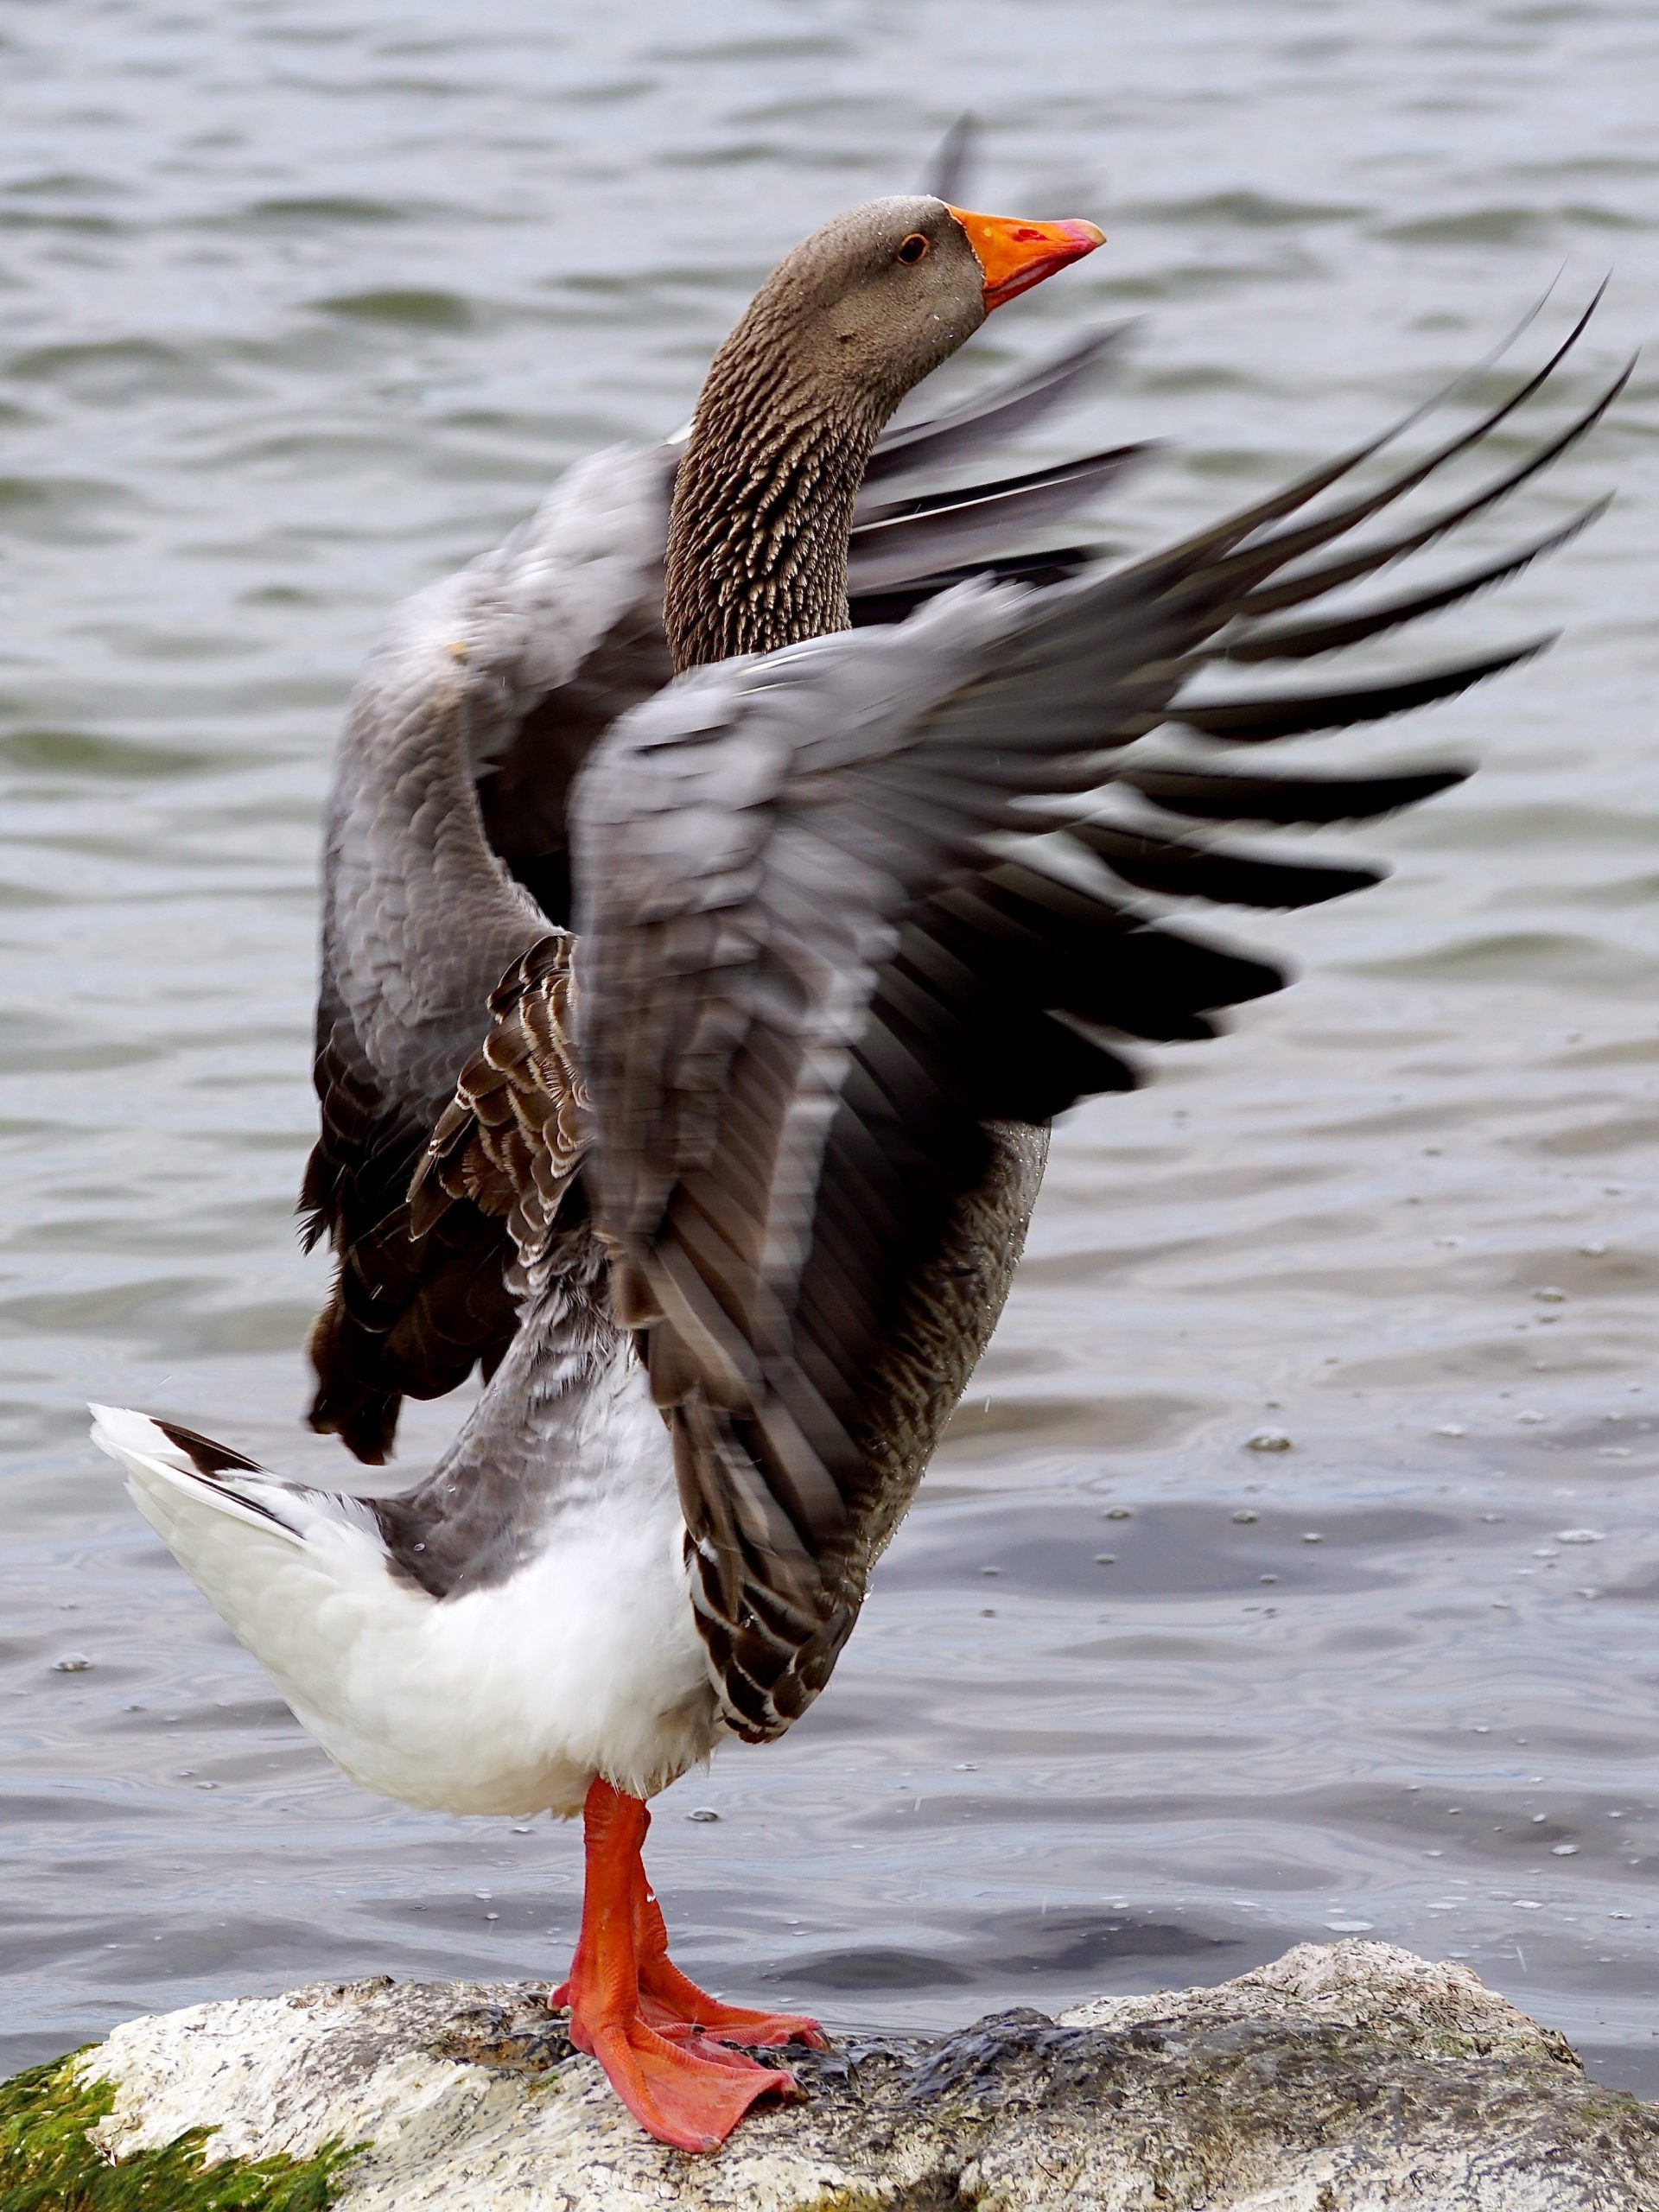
(1016, 256)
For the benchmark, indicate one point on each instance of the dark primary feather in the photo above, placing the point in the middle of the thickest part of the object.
(1053, 565)
(1256, 554)
(1312, 583)
(1222, 795)
(917, 537)
(1306, 640)
(430, 1285)
(1179, 870)
(1293, 714)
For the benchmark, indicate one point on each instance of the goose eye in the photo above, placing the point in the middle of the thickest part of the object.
(914, 247)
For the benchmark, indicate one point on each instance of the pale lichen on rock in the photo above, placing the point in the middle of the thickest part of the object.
(1347, 2077)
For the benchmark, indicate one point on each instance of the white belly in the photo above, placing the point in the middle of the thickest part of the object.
(509, 1699)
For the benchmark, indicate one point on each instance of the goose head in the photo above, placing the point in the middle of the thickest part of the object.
(878, 298)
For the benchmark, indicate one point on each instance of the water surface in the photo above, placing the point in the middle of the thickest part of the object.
(301, 305)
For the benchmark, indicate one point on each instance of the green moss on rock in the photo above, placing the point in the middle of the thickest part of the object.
(49, 2163)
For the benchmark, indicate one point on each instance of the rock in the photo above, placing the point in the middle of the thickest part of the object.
(1340, 2078)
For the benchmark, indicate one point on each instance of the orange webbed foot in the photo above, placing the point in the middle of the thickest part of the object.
(690, 2098)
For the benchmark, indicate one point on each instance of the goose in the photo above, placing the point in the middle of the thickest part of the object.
(728, 881)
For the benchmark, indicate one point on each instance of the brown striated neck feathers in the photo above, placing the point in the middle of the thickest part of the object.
(763, 508)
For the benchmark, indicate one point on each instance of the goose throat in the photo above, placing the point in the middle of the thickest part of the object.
(763, 513)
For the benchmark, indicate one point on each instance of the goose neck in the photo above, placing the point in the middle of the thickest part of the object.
(762, 517)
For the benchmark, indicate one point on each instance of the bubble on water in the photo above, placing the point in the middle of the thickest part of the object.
(703, 1813)
(1527, 1904)
(1267, 1439)
(1244, 1514)
(1550, 1294)
(1579, 1536)
(1117, 1513)
(1530, 1419)
(1563, 1850)
(1311, 1536)
(1105, 1558)
(1451, 1428)
(72, 1663)
(1350, 1927)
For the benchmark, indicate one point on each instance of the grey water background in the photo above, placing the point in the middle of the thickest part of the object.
(303, 304)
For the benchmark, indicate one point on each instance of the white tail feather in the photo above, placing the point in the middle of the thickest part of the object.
(150, 1455)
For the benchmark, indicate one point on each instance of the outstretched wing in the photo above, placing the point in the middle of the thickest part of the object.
(445, 861)
(845, 907)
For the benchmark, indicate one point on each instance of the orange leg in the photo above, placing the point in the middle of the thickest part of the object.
(684, 2089)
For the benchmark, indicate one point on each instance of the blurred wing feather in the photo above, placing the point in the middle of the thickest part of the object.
(964, 432)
